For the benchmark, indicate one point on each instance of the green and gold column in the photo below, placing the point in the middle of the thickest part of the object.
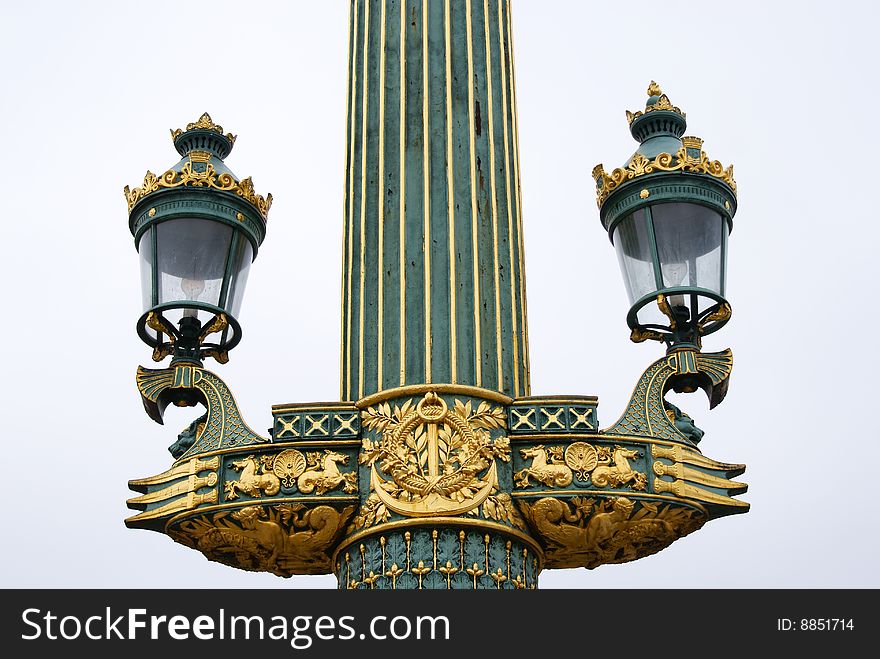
(433, 281)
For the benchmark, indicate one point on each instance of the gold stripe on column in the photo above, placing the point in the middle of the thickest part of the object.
(381, 201)
(511, 273)
(364, 196)
(474, 243)
(524, 330)
(450, 202)
(351, 48)
(498, 350)
(426, 177)
(402, 212)
(350, 219)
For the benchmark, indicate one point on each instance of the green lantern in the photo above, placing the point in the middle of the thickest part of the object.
(668, 213)
(197, 228)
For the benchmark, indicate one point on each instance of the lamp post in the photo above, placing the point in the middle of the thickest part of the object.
(438, 469)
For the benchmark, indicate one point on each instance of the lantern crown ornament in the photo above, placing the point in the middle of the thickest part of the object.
(205, 133)
(668, 211)
(197, 228)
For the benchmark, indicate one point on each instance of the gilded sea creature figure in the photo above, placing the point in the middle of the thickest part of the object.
(328, 476)
(551, 474)
(615, 470)
(255, 479)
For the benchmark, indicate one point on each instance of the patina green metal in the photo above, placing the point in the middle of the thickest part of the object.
(451, 481)
(433, 285)
(437, 557)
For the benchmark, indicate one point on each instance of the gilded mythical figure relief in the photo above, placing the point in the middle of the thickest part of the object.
(588, 533)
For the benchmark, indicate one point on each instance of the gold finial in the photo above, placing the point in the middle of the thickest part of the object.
(205, 123)
(662, 102)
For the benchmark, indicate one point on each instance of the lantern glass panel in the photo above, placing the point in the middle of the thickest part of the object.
(145, 252)
(192, 255)
(241, 265)
(688, 245)
(634, 253)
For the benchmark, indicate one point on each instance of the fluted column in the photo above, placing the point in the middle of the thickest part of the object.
(433, 282)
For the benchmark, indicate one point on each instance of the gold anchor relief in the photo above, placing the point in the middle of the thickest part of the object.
(432, 460)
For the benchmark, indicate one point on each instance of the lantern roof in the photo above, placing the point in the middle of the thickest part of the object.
(663, 149)
(203, 146)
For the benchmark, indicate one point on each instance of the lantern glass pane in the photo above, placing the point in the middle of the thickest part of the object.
(688, 245)
(725, 246)
(634, 253)
(145, 252)
(192, 259)
(241, 265)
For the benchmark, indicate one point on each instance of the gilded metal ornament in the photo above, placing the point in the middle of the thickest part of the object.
(722, 313)
(499, 507)
(682, 160)
(256, 478)
(284, 539)
(187, 177)
(203, 123)
(186, 478)
(666, 310)
(587, 532)
(614, 469)
(639, 335)
(581, 458)
(288, 466)
(324, 474)
(441, 461)
(548, 467)
(662, 103)
(604, 466)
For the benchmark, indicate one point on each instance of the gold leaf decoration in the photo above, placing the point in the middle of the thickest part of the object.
(438, 458)
(203, 123)
(682, 160)
(187, 177)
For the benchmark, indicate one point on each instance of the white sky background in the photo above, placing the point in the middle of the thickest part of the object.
(786, 92)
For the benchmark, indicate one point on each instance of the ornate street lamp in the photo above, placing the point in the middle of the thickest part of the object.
(438, 468)
(668, 212)
(197, 228)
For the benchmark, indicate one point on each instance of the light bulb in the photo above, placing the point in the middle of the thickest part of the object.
(673, 275)
(191, 288)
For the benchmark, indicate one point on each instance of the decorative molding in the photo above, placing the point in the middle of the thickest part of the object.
(191, 176)
(663, 103)
(203, 123)
(687, 159)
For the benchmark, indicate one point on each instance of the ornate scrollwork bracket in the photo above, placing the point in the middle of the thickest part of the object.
(682, 371)
(187, 385)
